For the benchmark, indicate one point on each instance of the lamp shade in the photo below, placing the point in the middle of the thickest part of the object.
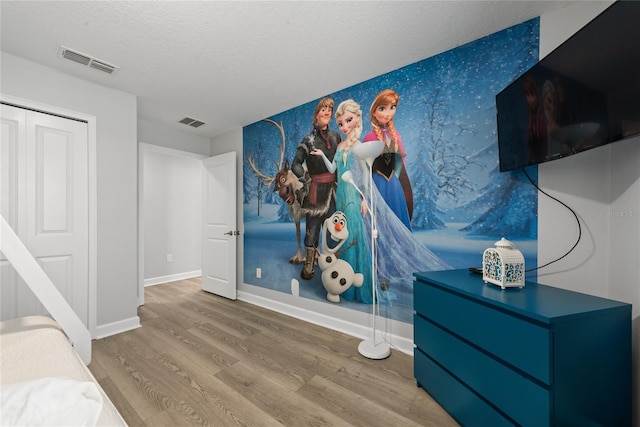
(368, 151)
(347, 177)
(503, 265)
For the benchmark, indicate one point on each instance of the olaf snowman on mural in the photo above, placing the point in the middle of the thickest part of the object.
(337, 274)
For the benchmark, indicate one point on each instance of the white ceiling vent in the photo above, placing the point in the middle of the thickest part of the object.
(87, 60)
(191, 122)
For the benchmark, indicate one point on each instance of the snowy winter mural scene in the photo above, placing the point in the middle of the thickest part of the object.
(462, 204)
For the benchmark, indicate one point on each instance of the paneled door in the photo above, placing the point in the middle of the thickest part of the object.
(219, 225)
(44, 186)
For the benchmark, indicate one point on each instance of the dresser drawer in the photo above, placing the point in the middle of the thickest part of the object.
(522, 344)
(517, 396)
(464, 405)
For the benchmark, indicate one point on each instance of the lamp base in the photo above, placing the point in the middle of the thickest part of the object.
(369, 349)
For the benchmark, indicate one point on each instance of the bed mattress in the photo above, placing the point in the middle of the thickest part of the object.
(35, 348)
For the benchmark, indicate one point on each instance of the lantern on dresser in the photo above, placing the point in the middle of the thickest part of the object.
(503, 265)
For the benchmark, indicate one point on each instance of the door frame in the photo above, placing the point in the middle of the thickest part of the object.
(92, 188)
(142, 147)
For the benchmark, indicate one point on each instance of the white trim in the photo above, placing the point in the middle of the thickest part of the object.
(170, 151)
(92, 162)
(172, 278)
(397, 342)
(118, 327)
(140, 290)
(93, 222)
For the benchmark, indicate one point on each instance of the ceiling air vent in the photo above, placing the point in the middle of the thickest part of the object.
(191, 122)
(87, 60)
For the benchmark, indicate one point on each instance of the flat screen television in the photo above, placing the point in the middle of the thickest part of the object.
(582, 95)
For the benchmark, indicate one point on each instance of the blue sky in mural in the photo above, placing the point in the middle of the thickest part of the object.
(447, 119)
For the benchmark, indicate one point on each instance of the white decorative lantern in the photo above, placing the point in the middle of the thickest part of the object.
(503, 265)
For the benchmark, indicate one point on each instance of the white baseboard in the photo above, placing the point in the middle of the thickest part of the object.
(114, 328)
(172, 278)
(354, 329)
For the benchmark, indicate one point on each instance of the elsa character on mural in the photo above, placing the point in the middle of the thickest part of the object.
(357, 253)
(399, 253)
(389, 168)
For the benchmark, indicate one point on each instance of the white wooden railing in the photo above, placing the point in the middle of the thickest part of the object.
(34, 276)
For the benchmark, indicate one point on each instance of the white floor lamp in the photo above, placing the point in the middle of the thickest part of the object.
(374, 347)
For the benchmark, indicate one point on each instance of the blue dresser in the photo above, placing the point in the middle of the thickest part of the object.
(537, 356)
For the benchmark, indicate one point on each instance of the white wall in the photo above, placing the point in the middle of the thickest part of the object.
(603, 187)
(115, 113)
(171, 212)
(160, 134)
(582, 181)
(175, 143)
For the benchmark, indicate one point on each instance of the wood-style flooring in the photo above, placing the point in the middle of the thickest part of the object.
(200, 359)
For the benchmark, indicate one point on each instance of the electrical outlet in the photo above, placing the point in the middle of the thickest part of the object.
(258, 272)
(169, 258)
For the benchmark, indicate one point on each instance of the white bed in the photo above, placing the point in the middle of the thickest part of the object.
(44, 381)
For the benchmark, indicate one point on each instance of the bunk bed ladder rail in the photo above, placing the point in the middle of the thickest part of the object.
(41, 285)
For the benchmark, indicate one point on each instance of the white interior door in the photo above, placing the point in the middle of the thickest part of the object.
(219, 225)
(45, 200)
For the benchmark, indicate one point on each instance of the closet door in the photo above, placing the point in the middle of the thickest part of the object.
(44, 182)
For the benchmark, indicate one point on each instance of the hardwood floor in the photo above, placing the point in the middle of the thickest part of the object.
(199, 359)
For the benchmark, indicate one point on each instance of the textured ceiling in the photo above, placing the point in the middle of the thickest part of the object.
(230, 64)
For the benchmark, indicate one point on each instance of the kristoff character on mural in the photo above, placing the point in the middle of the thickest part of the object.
(319, 203)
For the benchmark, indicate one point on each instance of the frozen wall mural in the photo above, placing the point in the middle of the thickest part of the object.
(462, 204)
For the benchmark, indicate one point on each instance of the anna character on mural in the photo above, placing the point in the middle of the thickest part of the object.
(357, 253)
(389, 168)
(319, 201)
(399, 252)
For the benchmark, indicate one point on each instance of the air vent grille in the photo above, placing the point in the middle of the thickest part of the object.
(102, 66)
(191, 122)
(87, 60)
(76, 57)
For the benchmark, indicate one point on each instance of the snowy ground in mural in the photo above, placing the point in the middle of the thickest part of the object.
(262, 234)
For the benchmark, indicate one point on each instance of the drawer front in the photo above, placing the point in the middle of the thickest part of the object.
(460, 402)
(522, 344)
(524, 401)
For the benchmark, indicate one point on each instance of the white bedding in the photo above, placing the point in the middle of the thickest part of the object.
(50, 402)
(38, 363)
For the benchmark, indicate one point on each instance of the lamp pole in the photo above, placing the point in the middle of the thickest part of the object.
(369, 347)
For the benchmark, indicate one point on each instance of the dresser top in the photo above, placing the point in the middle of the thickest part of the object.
(544, 303)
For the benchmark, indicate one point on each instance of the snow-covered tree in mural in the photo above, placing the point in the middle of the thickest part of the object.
(509, 208)
(257, 159)
(443, 162)
(456, 99)
(248, 189)
(507, 204)
(260, 169)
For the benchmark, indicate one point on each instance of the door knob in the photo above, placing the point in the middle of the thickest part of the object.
(229, 233)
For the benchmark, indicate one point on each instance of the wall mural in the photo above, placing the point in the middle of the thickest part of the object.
(438, 197)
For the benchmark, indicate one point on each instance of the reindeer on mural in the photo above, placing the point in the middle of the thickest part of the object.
(289, 188)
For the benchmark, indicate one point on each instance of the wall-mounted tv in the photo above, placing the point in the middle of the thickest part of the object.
(584, 94)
